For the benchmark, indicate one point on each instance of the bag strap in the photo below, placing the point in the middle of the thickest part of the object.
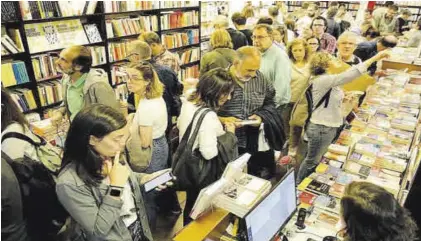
(196, 129)
(23, 137)
(188, 130)
(324, 99)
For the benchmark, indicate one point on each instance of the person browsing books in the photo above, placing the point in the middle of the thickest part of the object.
(160, 53)
(96, 186)
(213, 90)
(369, 212)
(325, 120)
(82, 85)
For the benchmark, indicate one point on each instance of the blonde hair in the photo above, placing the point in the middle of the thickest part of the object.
(220, 38)
(155, 88)
(295, 42)
(248, 12)
(319, 63)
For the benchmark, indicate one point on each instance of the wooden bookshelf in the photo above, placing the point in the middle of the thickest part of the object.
(99, 17)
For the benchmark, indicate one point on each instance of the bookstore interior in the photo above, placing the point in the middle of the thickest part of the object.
(211, 120)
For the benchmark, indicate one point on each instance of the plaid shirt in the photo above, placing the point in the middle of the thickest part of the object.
(169, 59)
(256, 93)
(328, 43)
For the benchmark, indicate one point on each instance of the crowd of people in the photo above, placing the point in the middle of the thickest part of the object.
(246, 99)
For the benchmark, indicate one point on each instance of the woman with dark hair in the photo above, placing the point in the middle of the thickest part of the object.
(13, 120)
(371, 213)
(314, 44)
(326, 116)
(151, 122)
(212, 91)
(95, 185)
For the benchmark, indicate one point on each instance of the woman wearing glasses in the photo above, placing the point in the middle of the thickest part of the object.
(314, 44)
(151, 120)
(95, 186)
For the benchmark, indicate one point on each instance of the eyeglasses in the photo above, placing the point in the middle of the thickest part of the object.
(318, 25)
(258, 37)
(313, 43)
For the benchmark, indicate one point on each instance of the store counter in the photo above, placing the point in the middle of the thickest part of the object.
(389, 64)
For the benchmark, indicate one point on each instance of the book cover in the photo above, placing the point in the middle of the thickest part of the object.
(307, 198)
(337, 190)
(92, 32)
(328, 203)
(328, 219)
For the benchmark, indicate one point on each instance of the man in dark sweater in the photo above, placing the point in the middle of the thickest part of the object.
(366, 50)
(237, 37)
(239, 21)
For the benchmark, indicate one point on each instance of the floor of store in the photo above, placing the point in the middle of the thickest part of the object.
(167, 227)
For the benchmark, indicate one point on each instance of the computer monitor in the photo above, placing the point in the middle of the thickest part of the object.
(273, 211)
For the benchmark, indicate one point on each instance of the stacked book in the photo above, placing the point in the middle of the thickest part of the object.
(50, 9)
(44, 66)
(50, 92)
(130, 26)
(11, 42)
(126, 6)
(190, 72)
(179, 19)
(98, 55)
(118, 50)
(190, 55)
(14, 73)
(175, 40)
(179, 4)
(24, 98)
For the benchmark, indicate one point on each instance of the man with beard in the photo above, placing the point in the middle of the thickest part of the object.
(82, 86)
(307, 19)
(388, 22)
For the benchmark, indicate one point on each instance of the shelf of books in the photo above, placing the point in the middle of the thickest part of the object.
(380, 145)
(34, 32)
(352, 7)
(209, 11)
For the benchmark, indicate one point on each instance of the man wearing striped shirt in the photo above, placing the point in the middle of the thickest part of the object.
(252, 92)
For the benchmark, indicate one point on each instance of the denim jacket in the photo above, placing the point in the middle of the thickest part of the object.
(95, 214)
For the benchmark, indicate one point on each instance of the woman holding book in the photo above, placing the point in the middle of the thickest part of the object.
(327, 118)
(96, 186)
(371, 213)
(151, 121)
(212, 91)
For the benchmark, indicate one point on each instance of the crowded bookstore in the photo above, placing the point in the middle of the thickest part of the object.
(210, 120)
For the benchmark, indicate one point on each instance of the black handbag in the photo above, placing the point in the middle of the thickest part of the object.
(190, 168)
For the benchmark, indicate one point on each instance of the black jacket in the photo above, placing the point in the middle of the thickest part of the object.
(248, 33)
(333, 28)
(274, 130)
(366, 50)
(238, 38)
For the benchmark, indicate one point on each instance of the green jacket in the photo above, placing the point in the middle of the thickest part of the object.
(96, 90)
(94, 212)
(220, 57)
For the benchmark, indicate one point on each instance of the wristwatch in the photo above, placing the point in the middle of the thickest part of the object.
(116, 191)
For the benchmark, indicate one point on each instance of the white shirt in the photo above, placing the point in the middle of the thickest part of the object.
(152, 113)
(210, 129)
(16, 148)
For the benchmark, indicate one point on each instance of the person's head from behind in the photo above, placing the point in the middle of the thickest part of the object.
(319, 26)
(387, 4)
(138, 50)
(273, 12)
(320, 63)
(248, 12)
(371, 213)
(280, 34)
(347, 43)
(265, 20)
(386, 42)
(392, 11)
(220, 22)
(312, 10)
(305, 5)
(331, 13)
(314, 44)
(238, 19)
(367, 14)
(406, 14)
(144, 81)
(213, 89)
(371, 33)
(334, 5)
(262, 37)
(290, 24)
(74, 59)
(220, 38)
(95, 135)
(247, 63)
(341, 9)
(154, 41)
(298, 50)
(10, 112)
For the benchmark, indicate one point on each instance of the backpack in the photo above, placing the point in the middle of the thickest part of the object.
(304, 107)
(44, 214)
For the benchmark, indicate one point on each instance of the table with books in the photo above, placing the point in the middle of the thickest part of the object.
(379, 146)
